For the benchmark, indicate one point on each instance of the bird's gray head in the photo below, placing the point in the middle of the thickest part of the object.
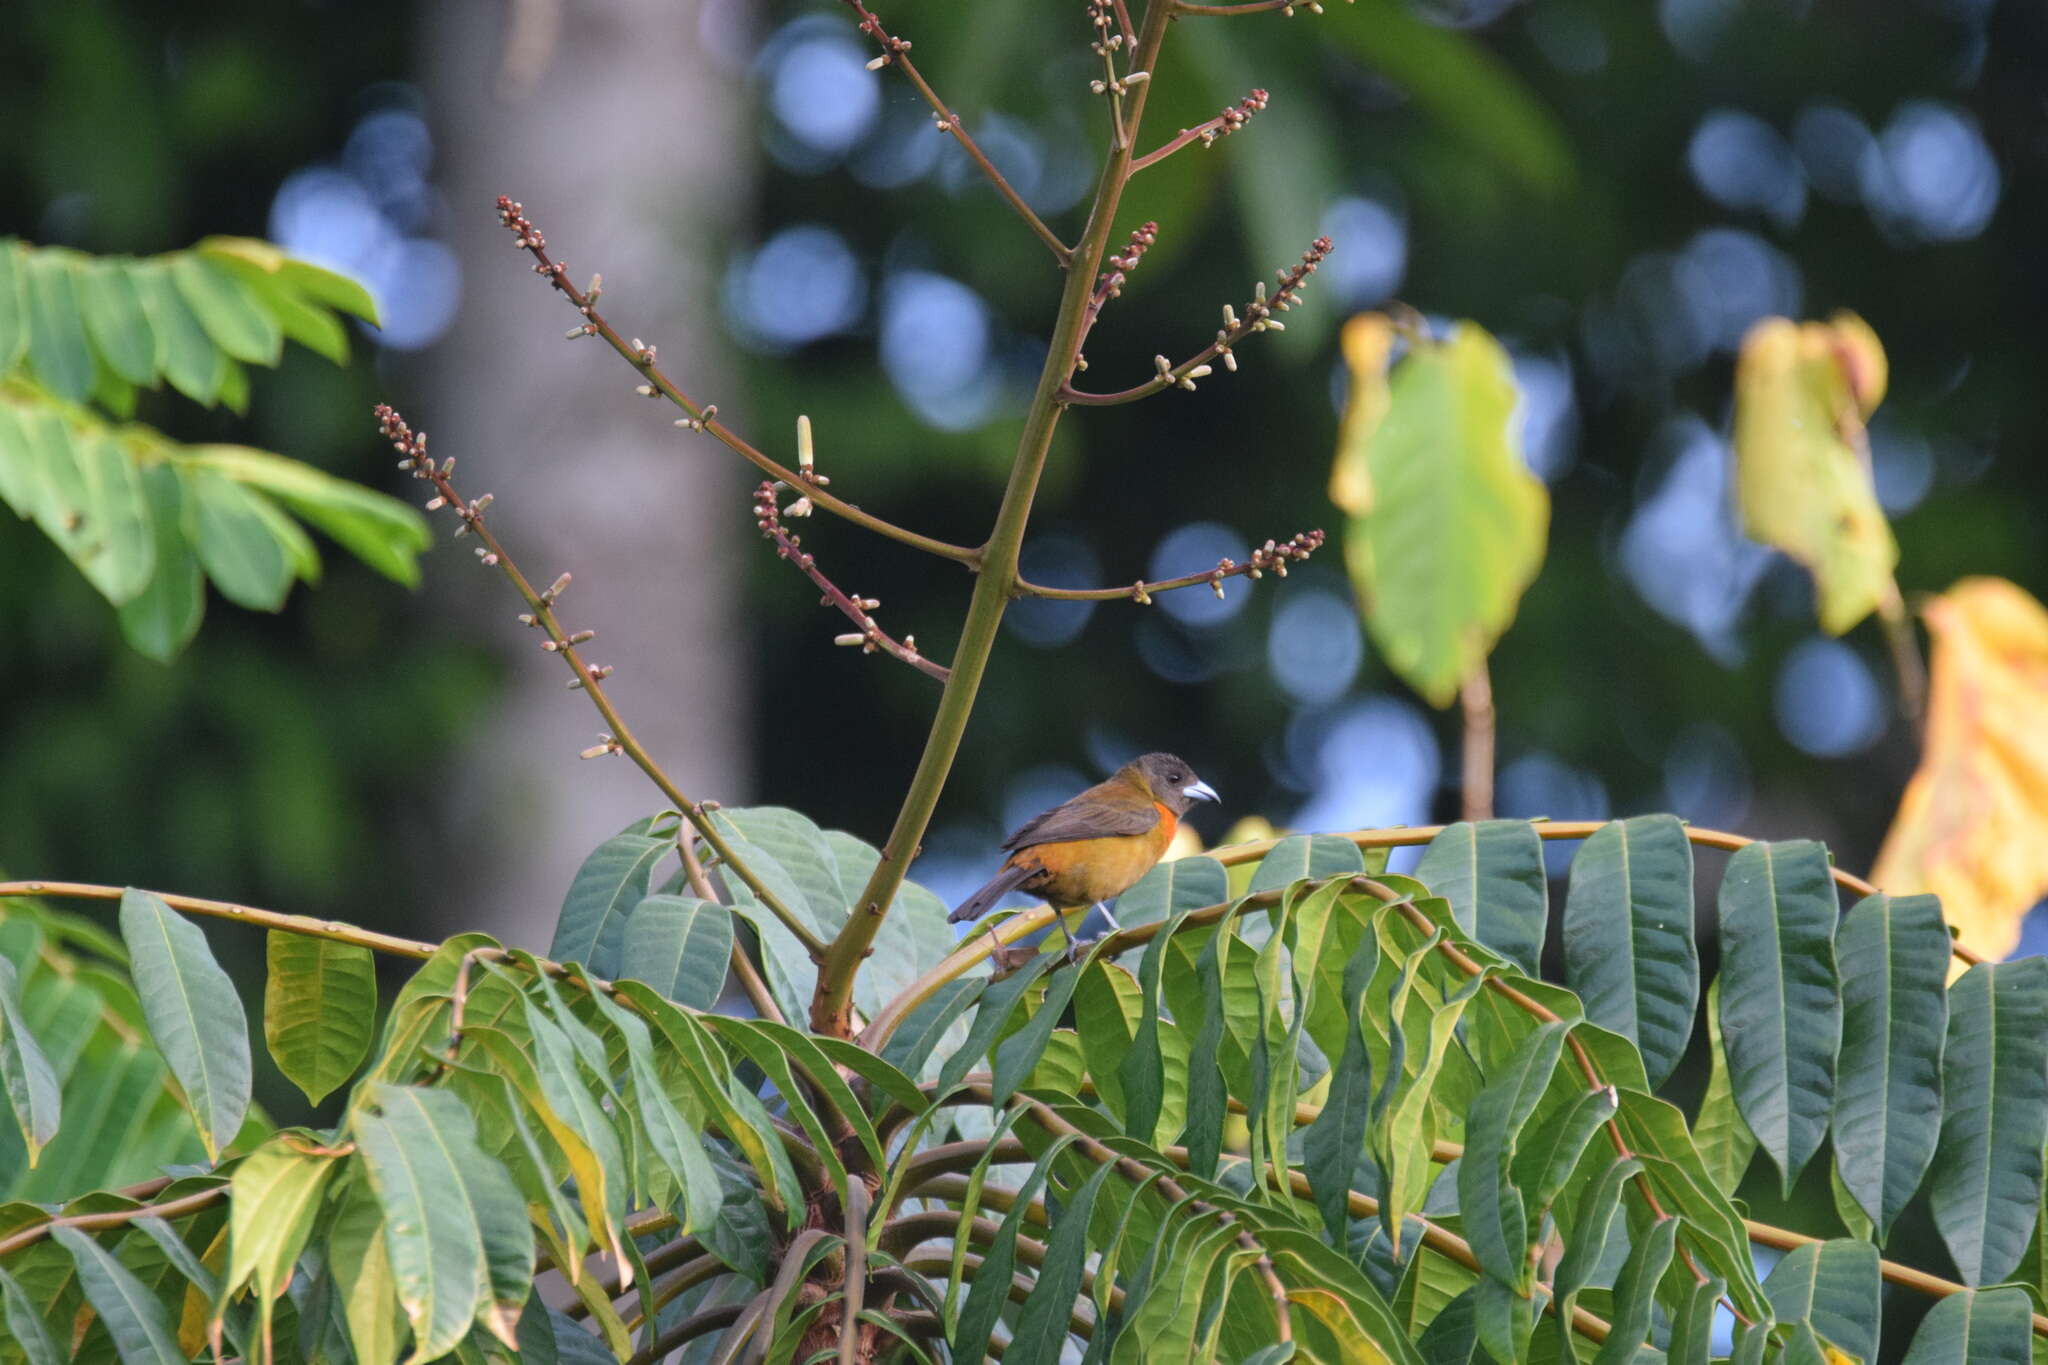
(1172, 782)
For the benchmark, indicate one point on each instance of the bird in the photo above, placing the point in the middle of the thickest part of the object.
(1094, 846)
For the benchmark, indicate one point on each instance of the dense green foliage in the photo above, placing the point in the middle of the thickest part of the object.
(1293, 1088)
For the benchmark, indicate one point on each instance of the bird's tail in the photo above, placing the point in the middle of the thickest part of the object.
(976, 905)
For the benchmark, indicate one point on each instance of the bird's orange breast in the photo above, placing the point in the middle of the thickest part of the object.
(1084, 871)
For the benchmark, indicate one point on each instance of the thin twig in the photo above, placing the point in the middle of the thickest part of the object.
(1258, 317)
(1207, 133)
(1475, 696)
(413, 456)
(1906, 661)
(896, 52)
(303, 925)
(870, 637)
(113, 1218)
(1110, 283)
(1286, 7)
(1273, 555)
(701, 417)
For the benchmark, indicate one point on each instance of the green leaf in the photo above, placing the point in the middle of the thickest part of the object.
(14, 315)
(141, 1331)
(455, 1227)
(681, 946)
(319, 1010)
(991, 1286)
(33, 1090)
(1494, 1217)
(89, 498)
(1173, 887)
(612, 880)
(193, 1012)
(1692, 1326)
(1017, 1054)
(919, 1031)
(1141, 1074)
(997, 1003)
(237, 545)
(1976, 1327)
(17, 1309)
(1635, 1298)
(1986, 1185)
(336, 291)
(1492, 874)
(315, 328)
(360, 1258)
(1300, 856)
(1207, 1090)
(1545, 1159)
(161, 620)
(1725, 1142)
(238, 324)
(118, 324)
(190, 360)
(1893, 955)
(799, 848)
(383, 532)
(1592, 1221)
(1333, 1144)
(1781, 1018)
(277, 1192)
(1041, 1331)
(1834, 1288)
(58, 351)
(676, 1142)
(1457, 525)
(1628, 936)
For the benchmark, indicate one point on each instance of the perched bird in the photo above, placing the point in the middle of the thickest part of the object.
(1097, 845)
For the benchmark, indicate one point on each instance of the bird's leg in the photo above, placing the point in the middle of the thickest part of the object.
(1059, 917)
(1075, 947)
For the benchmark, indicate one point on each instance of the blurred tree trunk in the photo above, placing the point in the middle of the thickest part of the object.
(619, 124)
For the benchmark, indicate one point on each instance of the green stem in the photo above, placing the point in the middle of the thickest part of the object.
(832, 1003)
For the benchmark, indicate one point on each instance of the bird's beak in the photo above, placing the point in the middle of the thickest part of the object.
(1201, 791)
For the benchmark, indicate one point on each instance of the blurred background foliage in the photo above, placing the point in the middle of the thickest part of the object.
(1616, 189)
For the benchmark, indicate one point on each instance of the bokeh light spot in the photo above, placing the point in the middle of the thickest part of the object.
(1827, 701)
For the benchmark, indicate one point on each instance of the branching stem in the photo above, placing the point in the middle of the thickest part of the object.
(558, 640)
(704, 417)
(831, 1006)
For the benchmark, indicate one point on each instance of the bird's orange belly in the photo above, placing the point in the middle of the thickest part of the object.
(1084, 871)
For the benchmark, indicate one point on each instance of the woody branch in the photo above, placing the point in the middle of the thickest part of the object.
(558, 639)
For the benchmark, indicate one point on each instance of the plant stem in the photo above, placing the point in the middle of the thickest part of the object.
(304, 925)
(896, 52)
(1906, 660)
(1475, 695)
(832, 1003)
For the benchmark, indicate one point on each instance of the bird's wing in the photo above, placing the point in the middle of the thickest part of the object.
(1091, 815)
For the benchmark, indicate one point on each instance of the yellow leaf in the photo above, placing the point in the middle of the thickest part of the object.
(1802, 460)
(1368, 342)
(1969, 828)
